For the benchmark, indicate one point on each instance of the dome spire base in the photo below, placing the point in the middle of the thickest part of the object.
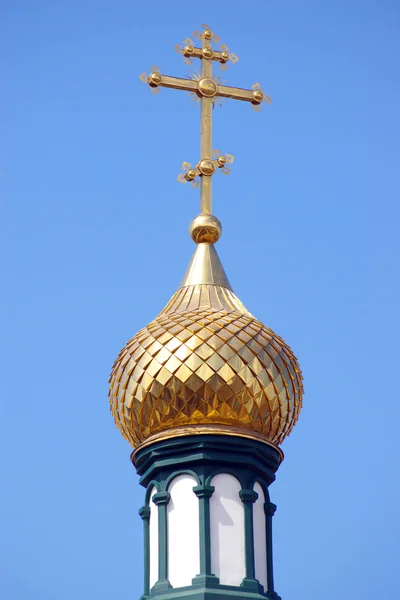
(205, 268)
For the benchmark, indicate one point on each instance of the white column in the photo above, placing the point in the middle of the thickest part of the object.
(183, 531)
(227, 530)
(153, 539)
(260, 537)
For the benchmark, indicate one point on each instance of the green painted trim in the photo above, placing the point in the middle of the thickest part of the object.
(161, 499)
(219, 592)
(152, 485)
(144, 512)
(269, 509)
(252, 584)
(247, 459)
(182, 471)
(205, 577)
(248, 497)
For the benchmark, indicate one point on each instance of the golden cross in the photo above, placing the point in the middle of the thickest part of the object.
(207, 88)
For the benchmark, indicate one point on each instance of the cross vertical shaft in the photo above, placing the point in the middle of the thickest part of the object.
(206, 133)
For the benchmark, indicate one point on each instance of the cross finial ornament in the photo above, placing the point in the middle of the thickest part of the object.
(207, 89)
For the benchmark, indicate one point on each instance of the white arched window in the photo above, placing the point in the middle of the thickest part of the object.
(183, 531)
(227, 530)
(260, 539)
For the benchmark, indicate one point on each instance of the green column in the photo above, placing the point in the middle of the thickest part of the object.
(248, 497)
(205, 577)
(269, 509)
(144, 512)
(161, 499)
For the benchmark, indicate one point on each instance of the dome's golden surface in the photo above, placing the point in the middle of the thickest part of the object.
(205, 360)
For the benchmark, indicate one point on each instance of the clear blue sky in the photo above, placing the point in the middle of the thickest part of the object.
(95, 239)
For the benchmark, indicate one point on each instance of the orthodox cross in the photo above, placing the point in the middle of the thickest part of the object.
(206, 87)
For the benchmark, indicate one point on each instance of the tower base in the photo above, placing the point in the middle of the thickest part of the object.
(208, 517)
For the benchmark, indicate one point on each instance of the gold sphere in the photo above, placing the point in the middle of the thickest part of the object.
(225, 55)
(222, 160)
(205, 229)
(207, 34)
(206, 167)
(188, 50)
(258, 96)
(207, 87)
(191, 174)
(207, 53)
(154, 79)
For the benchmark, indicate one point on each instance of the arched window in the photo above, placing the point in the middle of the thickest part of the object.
(183, 531)
(227, 530)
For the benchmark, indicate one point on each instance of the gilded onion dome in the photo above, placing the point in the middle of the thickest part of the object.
(205, 364)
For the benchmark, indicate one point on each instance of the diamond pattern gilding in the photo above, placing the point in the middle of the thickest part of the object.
(205, 360)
